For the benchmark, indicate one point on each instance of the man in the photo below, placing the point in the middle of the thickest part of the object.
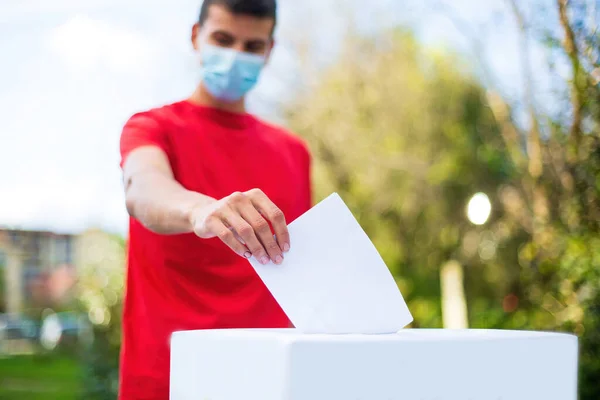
(205, 182)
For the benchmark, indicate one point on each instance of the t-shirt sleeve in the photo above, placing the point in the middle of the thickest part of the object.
(142, 129)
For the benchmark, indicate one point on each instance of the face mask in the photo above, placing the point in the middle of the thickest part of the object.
(229, 74)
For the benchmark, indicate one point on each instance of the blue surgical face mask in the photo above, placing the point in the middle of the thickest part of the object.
(229, 74)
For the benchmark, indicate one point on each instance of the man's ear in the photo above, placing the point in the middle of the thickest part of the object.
(195, 34)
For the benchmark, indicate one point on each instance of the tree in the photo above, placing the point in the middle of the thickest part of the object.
(561, 184)
(406, 138)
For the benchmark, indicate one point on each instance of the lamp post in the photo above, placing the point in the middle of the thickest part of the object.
(454, 304)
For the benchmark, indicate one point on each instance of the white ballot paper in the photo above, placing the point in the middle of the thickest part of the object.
(333, 280)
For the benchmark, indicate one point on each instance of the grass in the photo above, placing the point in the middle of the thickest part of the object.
(37, 377)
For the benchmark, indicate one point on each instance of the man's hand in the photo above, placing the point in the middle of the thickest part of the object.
(241, 221)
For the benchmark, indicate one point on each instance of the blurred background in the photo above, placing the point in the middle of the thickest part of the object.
(463, 134)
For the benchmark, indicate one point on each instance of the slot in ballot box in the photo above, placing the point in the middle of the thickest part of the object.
(413, 364)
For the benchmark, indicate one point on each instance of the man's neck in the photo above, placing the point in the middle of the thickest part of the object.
(202, 97)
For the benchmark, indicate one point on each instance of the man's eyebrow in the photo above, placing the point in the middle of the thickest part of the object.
(224, 33)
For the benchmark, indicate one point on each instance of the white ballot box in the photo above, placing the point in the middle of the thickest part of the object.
(413, 364)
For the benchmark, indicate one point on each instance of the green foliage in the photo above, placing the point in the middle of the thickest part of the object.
(407, 149)
(100, 296)
(100, 363)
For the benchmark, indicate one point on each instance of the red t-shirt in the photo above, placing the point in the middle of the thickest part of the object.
(182, 282)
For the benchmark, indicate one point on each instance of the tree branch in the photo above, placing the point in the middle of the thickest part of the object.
(533, 140)
(577, 86)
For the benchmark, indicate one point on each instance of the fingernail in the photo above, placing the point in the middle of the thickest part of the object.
(264, 260)
(247, 254)
(286, 247)
(278, 259)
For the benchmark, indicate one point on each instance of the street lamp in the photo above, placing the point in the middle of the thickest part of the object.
(454, 303)
(479, 209)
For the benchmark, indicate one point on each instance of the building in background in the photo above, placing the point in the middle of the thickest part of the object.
(38, 267)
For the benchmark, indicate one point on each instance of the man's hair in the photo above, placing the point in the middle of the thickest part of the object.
(254, 8)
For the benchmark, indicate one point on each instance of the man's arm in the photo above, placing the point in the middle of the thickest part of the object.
(154, 197)
(164, 206)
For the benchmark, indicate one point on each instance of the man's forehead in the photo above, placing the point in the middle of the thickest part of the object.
(220, 18)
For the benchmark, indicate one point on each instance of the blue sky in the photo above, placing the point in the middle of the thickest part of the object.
(72, 74)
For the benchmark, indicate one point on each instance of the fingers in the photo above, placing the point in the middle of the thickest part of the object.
(228, 237)
(247, 234)
(262, 231)
(241, 221)
(270, 211)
